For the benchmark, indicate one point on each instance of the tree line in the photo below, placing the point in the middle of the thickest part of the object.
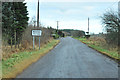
(14, 22)
(74, 33)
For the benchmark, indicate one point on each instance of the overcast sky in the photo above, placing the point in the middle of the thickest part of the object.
(72, 14)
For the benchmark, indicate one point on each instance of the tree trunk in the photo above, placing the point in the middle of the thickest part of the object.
(11, 42)
(15, 39)
(18, 42)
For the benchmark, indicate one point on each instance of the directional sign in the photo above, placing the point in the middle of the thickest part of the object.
(36, 32)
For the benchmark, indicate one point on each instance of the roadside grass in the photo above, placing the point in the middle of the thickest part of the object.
(100, 48)
(18, 62)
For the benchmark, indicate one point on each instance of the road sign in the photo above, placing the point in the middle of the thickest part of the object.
(36, 32)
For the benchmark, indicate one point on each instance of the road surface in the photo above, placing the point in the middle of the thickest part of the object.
(72, 59)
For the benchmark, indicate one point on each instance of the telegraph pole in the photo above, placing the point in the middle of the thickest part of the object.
(57, 24)
(88, 25)
(38, 15)
(87, 36)
(38, 22)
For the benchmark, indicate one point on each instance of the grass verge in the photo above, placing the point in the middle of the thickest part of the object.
(111, 54)
(18, 62)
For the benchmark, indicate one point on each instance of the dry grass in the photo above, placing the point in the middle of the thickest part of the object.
(26, 43)
(97, 40)
(100, 45)
(25, 46)
(19, 68)
(24, 63)
(7, 51)
(100, 41)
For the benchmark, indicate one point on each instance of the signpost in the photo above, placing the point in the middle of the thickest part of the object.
(36, 33)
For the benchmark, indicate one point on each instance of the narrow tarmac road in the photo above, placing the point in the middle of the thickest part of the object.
(72, 59)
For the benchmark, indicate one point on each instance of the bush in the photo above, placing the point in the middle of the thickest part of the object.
(56, 36)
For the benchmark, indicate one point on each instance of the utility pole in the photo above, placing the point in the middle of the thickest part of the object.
(38, 15)
(87, 36)
(88, 25)
(57, 24)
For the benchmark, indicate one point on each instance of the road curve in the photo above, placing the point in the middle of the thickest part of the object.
(72, 59)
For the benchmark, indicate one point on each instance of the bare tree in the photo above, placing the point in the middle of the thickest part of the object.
(33, 21)
(111, 23)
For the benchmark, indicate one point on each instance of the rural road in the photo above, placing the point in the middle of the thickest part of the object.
(72, 59)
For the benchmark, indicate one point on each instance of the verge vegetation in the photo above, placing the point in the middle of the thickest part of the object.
(100, 45)
(18, 62)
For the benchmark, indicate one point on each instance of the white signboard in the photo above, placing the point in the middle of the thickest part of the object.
(36, 32)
